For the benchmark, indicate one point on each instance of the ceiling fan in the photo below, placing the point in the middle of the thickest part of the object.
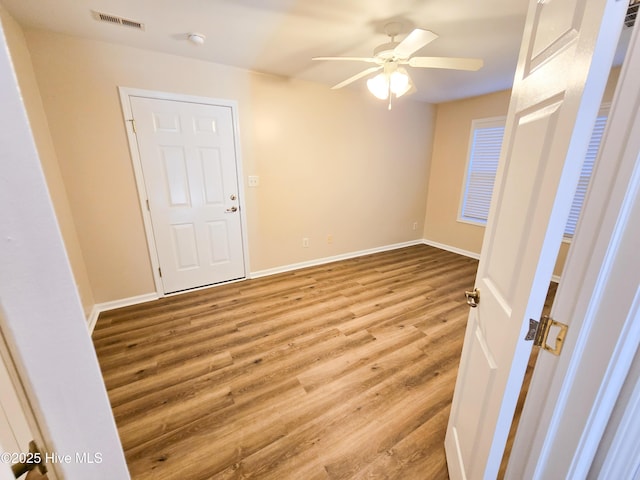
(390, 58)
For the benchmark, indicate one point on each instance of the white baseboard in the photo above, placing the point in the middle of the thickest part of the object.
(93, 318)
(466, 253)
(449, 248)
(335, 258)
(124, 302)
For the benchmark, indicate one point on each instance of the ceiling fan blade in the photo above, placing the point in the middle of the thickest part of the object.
(447, 62)
(414, 42)
(357, 76)
(351, 59)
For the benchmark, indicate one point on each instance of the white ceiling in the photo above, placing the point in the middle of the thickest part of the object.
(281, 36)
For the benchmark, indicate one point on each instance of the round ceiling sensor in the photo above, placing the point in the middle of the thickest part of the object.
(196, 38)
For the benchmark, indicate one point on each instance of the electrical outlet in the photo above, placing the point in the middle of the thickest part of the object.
(254, 180)
(329, 239)
(305, 242)
(415, 225)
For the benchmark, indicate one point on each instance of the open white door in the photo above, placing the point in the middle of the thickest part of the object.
(564, 62)
(571, 397)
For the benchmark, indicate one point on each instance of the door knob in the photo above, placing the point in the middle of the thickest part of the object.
(33, 459)
(232, 209)
(473, 298)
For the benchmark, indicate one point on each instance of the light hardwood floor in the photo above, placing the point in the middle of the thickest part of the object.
(341, 371)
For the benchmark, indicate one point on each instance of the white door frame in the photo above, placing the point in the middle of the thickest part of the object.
(127, 115)
(15, 405)
(571, 397)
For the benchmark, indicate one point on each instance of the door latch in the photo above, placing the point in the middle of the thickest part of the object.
(539, 333)
(473, 298)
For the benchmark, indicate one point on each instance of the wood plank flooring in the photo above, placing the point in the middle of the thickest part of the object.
(341, 371)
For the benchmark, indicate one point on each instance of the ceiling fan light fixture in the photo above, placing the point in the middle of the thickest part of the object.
(397, 82)
(379, 86)
(400, 82)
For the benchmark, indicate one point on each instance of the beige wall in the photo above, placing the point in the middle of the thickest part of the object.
(446, 179)
(21, 60)
(329, 162)
(448, 165)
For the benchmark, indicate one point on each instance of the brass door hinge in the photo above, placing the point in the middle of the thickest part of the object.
(473, 297)
(160, 271)
(133, 125)
(539, 333)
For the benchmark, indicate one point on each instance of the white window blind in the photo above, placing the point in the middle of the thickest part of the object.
(482, 165)
(585, 175)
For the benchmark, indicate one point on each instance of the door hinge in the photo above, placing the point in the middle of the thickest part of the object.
(160, 271)
(473, 297)
(148, 207)
(133, 125)
(539, 333)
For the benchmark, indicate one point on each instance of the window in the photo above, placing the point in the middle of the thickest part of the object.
(585, 175)
(482, 165)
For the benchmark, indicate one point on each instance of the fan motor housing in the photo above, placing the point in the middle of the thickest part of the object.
(385, 51)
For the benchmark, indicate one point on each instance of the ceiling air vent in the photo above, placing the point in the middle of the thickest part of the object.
(105, 17)
(632, 12)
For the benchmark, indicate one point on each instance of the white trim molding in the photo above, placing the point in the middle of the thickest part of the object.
(623, 458)
(149, 297)
(449, 248)
(98, 308)
(467, 253)
(125, 302)
(335, 258)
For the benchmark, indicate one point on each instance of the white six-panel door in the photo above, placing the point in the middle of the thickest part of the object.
(571, 397)
(562, 71)
(189, 163)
